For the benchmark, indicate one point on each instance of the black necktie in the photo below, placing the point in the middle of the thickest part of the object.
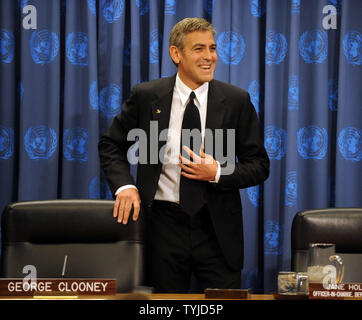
(191, 191)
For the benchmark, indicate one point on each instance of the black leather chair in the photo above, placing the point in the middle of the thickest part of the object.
(341, 226)
(41, 233)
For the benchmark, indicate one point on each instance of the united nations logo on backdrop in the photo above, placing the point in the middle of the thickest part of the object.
(110, 100)
(155, 40)
(272, 245)
(93, 95)
(112, 9)
(350, 144)
(230, 47)
(75, 144)
(44, 46)
(312, 142)
(275, 142)
(6, 142)
(77, 48)
(291, 189)
(143, 6)
(257, 7)
(40, 142)
(254, 195)
(170, 7)
(313, 46)
(92, 5)
(254, 91)
(352, 45)
(332, 94)
(7, 46)
(275, 48)
(99, 189)
(293, 93)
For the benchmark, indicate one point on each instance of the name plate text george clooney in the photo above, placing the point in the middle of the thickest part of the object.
(20, 287)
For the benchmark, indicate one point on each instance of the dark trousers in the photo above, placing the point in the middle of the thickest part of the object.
(179, 245)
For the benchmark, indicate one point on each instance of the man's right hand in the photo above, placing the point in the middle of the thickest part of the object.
(123, 205)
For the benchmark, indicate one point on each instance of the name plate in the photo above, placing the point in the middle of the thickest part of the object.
(57, 287)
(335, 291)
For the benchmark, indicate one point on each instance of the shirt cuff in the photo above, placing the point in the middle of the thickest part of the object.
(218, 172)
(127, 186)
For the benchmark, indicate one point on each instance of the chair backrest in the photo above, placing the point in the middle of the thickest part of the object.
(341, 226)
(41, 233)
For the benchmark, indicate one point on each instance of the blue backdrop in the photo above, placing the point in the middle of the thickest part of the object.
(62, 83)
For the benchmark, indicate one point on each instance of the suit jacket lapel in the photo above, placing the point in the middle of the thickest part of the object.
(215, 107)
(161, 106)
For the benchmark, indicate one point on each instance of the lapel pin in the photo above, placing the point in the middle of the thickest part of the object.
(158, 111)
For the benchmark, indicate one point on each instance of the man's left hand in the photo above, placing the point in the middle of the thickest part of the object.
(202, 167)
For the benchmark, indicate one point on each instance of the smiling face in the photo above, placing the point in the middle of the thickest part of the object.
(197, 59)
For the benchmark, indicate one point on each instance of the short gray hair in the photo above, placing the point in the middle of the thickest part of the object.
(186, 26)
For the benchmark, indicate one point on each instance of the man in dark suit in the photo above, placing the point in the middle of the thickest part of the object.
(191, 200)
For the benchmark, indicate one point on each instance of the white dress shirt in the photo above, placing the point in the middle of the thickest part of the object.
(169, 182)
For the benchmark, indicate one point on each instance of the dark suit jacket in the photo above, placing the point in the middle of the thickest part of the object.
(228, 107)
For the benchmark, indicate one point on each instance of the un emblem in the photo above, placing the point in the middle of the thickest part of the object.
(275, 48)
(254, 195)
(230, 47)
(44, 46)
(92, 5)
(208, 5)
(254, 91)
(313, 46)
(352, 45)
(350, 144)
(154, 46)
(291, 189)
(6, 142)
(293, 93)
(272, 245)
(312, 142)
(40, 142)
(110, 100)
(77, 48)
(75, 144)
(275, 142)
(257, 8)
(143, 6)
(332, 94)
(170, 7)
(112, 10)
(7, 46)
(93, 95)
(99, 189)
